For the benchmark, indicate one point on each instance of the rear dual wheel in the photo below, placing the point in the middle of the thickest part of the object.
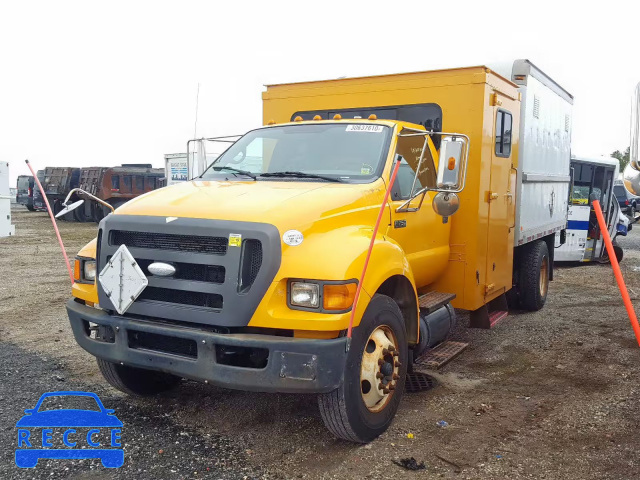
(364, 405)
(535, 269)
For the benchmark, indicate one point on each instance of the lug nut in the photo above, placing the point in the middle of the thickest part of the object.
(380, 361)
(379, 375)
(385, 351)
(395, 376)
(395, 354)
(385, 391)
(392, 348)
(397, 364)
(380, 386)
(392, 387)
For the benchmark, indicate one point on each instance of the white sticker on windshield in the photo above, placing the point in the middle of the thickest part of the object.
(354, 127)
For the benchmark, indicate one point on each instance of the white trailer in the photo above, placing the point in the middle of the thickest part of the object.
(6, 228)
(544, 154)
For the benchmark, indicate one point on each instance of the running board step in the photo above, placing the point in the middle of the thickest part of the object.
(432, 301)
(437, 357)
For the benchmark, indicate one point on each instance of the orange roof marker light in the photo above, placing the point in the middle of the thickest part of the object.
(297, 119)
(317, 117)
(337, 116)
(373, 116)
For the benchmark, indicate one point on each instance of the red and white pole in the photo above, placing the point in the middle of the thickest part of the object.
(53, 220)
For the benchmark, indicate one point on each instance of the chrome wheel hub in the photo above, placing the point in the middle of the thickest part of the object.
(380, 367)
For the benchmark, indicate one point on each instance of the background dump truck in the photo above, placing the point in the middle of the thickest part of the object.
(24, 195)
(251, 275)
(115, 185)
(58, 182)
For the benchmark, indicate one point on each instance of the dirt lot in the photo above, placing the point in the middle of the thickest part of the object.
(552, 394)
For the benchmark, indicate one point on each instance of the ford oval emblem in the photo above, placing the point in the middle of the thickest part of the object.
(161, 269)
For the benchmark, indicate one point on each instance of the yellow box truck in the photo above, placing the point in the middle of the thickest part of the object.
(245, 277)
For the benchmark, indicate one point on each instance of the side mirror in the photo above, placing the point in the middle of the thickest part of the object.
(450, 167)
(445, 204)
(69, 208)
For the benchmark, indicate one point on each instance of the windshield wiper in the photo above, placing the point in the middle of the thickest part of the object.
(235, 170)
(300, 175)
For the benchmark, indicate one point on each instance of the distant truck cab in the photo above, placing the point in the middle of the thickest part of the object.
(592, 179)
(24, 194)
(246, 276)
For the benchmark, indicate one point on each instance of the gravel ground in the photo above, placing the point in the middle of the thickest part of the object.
(551, 394)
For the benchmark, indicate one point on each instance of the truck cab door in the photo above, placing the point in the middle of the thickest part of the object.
(420, 232)
(501, 199)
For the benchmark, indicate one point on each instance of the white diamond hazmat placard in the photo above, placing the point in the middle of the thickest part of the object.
(122, 279)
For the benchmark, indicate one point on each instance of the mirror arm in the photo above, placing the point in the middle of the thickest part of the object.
(405, 206)
(102, 202)
(415, 178)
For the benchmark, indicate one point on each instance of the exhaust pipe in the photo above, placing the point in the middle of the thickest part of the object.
(631, 176)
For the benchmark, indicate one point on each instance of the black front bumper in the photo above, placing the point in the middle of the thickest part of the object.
(293, 366)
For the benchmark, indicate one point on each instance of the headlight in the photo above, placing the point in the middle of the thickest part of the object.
(305, 294)
(89, 270)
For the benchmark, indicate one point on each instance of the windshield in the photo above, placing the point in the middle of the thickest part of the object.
(345, 152)
(66, 402)
(23, 184)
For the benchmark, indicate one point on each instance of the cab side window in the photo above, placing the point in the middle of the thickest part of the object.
(504, 124)
(404, 181)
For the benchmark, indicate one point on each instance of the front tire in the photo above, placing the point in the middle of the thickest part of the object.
(136, 381)
(534, 276)
(364, 405)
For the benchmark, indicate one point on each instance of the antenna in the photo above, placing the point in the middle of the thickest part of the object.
(195, 126)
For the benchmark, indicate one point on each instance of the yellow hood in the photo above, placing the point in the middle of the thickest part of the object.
(286, 205)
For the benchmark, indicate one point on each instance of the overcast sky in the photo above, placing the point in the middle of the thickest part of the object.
(104, 83)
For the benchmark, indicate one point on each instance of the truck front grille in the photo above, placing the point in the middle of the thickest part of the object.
(181, 243)
(214, 283)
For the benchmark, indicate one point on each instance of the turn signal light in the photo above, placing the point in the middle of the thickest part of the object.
(452, 163)
(338, 297)
(76, 270)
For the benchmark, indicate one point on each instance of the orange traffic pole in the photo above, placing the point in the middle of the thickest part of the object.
(373, 240)
(616, 270)
(53, 219)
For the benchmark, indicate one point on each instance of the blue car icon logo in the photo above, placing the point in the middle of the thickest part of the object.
(69, 433)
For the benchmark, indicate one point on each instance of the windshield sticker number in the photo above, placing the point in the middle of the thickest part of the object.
(235, 240)
(365, 128)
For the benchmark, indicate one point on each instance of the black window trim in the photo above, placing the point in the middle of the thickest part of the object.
(495, 134)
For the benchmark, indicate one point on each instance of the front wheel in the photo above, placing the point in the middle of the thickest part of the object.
(136, 381)
(364, 405)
